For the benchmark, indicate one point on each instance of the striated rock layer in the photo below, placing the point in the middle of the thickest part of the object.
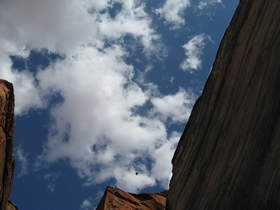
(6, 146)
(229, 155)
(115, 198)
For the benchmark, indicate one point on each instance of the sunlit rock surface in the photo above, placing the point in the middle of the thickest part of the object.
(6, 144)
(115, 198)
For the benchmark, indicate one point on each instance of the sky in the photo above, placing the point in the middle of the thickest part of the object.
(103, 91)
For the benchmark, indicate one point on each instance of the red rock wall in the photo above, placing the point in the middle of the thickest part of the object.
(115, 198)
(6, 144)
(229, 155)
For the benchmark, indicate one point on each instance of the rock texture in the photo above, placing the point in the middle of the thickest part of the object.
(115, 198)
(11, 206)
(229, 155)
(6, 146)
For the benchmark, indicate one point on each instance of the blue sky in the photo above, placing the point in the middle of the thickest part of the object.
(103, 92)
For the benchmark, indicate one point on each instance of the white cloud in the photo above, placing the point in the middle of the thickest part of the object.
(96, 127)
(98, 5)
(51, 179)
(132, 180)
(55, 25)
(203, 4)
(27, 95)
(51, 187)
(96, 124)
(163, 156)
(72, 24)
(133, 20)
(194, 50)
(87, 205)
(26, 25)
(175, 107)
(173, 11)
(22, 161)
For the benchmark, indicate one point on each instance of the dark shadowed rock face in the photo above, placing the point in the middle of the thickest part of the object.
(115, 198)
(229, 155)
(6, 147)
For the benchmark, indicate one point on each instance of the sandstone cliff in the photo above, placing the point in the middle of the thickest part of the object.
(229, 155)
(115, 198)
(6, 144)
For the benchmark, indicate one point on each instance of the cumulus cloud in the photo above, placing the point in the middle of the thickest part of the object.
(26, 94)
(203, 4)
(173, 11)
(55, 25)
(22, 161)
(87, 205)
(72, 24)
(175, 107)
(162, 167)
(97, 126)
(26, 25)
(193, 51)
(132, 20)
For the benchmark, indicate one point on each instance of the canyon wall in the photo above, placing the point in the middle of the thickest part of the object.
(6, 144)
(228, 157)
(115, 198)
